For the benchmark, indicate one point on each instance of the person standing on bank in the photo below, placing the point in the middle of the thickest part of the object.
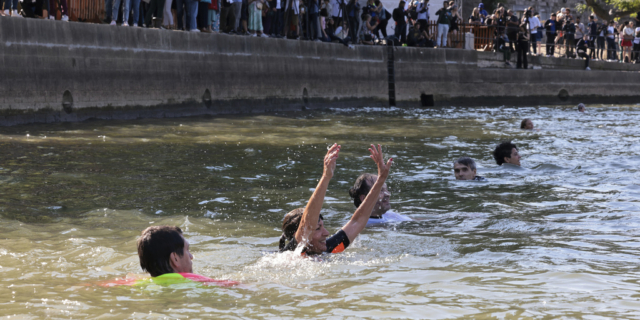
(305, 226)
(423, 15)
(611, 41)
(569, 36)
(550, 27)
(444, 19)
(522, 47)
(399, 16)
(512, 29)
(125, 12)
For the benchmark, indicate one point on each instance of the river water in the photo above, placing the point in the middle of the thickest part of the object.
(558, 238)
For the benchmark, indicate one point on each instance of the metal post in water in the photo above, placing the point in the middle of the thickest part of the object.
(391, 74)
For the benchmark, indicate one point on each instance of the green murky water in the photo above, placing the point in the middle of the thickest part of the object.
(559, 238)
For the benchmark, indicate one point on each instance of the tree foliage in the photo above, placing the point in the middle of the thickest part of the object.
(611, 9)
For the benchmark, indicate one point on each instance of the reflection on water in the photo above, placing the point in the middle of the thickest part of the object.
(557, 238)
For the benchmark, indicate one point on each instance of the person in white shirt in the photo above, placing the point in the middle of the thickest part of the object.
(627, 41)
(534, 24)
(381, 213)
(635, 54)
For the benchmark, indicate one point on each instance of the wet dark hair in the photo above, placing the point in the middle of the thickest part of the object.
(524, 123)
(290, 225)
(155, 246)
(362, 186)
(503, 150)
(466, 161)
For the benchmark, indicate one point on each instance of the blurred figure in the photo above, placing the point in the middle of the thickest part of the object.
(581, 107)
(526, 124)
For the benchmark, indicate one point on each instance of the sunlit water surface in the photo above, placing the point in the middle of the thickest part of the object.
(559, 238)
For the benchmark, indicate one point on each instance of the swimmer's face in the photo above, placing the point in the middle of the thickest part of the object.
(529, 125)
(581, 108)
(515, 157)
(318, 243)
(463, 172)
(384, 204)
(182, 264)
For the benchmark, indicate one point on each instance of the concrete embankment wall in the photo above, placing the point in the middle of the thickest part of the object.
(55, 71)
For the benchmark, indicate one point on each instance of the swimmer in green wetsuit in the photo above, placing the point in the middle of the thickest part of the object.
(306, 226)
(164, 253)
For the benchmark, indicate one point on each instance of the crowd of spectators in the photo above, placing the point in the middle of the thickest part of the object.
(347, 21)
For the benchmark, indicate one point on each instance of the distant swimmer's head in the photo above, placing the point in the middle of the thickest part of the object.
(581, 107)
(163, 249)
(464, 169)
(506, 152)
(526, 124)
(290, 225)
(361, 189)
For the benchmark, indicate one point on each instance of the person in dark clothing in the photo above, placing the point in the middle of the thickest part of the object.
(593, 35)
(551, 29)
(569, 36)
(581, 49)
(227, 17)
(399, 16)
(328, 34)
(512, 29)
(522, 47)
(352, 10)
(503, 46)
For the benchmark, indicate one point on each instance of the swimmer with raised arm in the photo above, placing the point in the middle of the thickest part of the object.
(507, 152)
(381, 212)
(465, 169)
(305, 227)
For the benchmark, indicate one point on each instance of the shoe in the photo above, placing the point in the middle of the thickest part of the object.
(233, 32)
(506, 63)
(7, 13)
(204, 30)
(588, 69)
(246, 33)
(134, 25)
(253, 35)
(113, 22)
(65, 18)
(264, 35)
(52, 18)
(15, 14)
(125, 24)
(194, 30)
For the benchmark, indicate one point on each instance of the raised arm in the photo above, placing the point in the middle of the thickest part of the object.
(361, 216)
(311, 214)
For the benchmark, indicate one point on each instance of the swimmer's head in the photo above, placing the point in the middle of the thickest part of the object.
(464, 168)
(163, 249)
(506, 152)
(361, 189)
(526, 124)
(290, 225)
(581, 107)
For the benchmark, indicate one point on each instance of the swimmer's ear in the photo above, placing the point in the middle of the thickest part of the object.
(474, 171)
(173, 260)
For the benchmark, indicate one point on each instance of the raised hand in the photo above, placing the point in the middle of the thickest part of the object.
(376, 155)
(330, 160)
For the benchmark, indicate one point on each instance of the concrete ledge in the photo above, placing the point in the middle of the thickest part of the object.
(57, 71)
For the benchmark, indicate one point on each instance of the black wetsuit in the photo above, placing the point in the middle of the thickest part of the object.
(335, 244)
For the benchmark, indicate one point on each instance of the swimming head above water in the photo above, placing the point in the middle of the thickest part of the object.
(163, 249)
(526, 124)
(507, 152)
(361, 189)
(465, 169)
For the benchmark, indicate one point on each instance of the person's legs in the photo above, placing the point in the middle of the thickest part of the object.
(636, 52)
(152, 8)
(180, 23)
(125, 12)
(192, 15)
(115, 9)
(237, 11)
(519, 53)
(135, 6)
(158, 12)
(353, 29)
(313, 23)
(550, 45)
(63, 7)
(383, 28)
(108, 9)
(167, 16)
(440, 34)
(279, 23)
(224, 15)
(534, 43)
(444, 34)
